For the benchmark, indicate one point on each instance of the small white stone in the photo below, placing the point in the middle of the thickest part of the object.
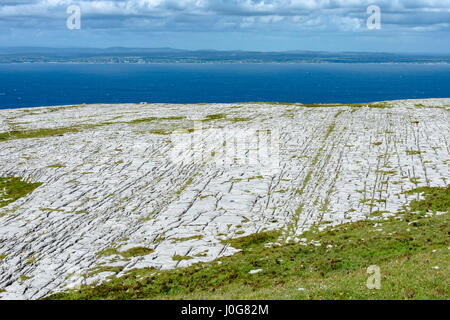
(254, 271)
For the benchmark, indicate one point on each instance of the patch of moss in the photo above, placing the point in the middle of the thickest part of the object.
(150, 119)
(108, 252)
(36, 133)
(176, 240)
(187, 184)
(13, 188)
(379, 105)
(97, 270)
(146, 219)
(180, 258)
(159, 239)
(253, 240)
(435, 199)
(379, 212)
(160, 131)
(52, 210)
(201, 254)
(81, 212)
(413, 152)
(216, 116)
(318, 105)
(31, 259)
(133, 252)
(173, 118)
(240, 119)
(56, 165)
(386, 172)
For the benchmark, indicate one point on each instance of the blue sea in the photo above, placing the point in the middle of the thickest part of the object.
(31, 85)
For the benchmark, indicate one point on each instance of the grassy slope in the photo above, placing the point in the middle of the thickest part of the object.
(412, 251)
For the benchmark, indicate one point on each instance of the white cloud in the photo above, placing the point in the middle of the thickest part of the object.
(348, 15)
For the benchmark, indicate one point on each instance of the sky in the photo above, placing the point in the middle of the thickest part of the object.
(421, 26)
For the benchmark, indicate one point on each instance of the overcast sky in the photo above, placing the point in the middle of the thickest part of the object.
(268, 25)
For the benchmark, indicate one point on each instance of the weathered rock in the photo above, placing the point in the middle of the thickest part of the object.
(111, 182)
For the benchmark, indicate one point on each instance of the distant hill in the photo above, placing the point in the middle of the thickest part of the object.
(170, 55)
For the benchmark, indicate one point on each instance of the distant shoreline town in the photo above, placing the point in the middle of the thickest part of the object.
(119, 55)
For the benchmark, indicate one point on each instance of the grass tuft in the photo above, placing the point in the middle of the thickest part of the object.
(13, 188)
(435, 200)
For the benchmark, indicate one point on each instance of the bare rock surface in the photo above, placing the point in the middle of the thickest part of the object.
(177, 180)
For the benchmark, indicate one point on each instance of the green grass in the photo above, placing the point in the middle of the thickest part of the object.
(435, 200)
(50, 132)
(318, 105)
(377, 105)
(100, 269)
(412, 152)
(150, 119)
(408, 248)
(386, 172)
(240, 119)
(180, 258)
(184, 186)
(269, 103)
(133, 252)
(13, 188)
(176, 240)
(222, 116)
(420, 105)
(217, 116)
(56, 165)
(160, 131)
(36, 133)
(144, 120)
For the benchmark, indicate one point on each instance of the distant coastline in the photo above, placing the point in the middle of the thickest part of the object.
(225, 63)
(177, 56)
